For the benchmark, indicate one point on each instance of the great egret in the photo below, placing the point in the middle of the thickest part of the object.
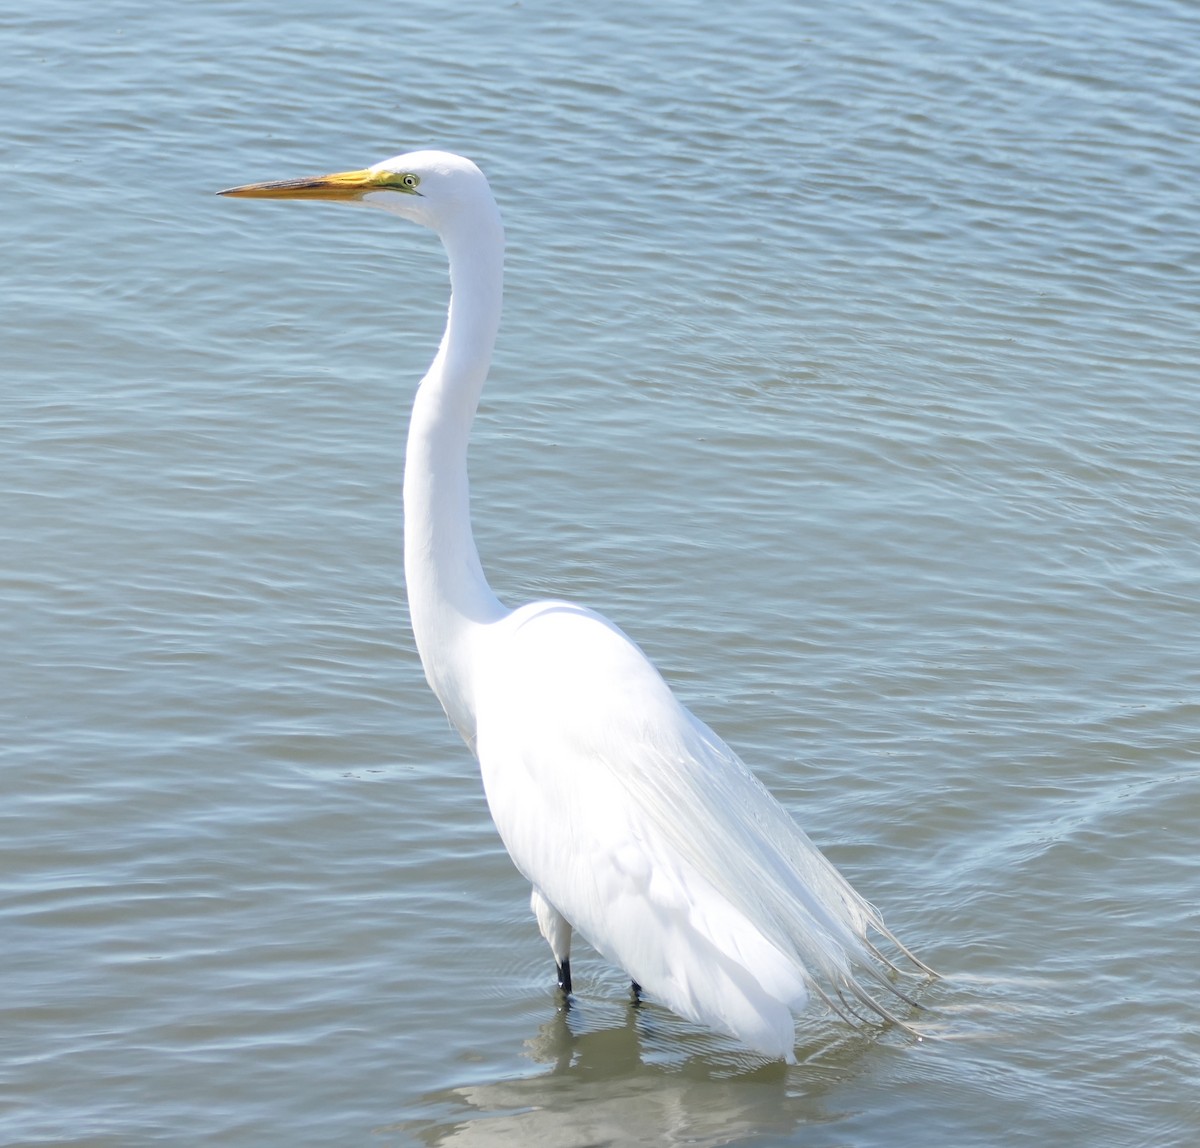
(634, 823)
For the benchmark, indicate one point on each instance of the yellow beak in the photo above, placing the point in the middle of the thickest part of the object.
(342, 185)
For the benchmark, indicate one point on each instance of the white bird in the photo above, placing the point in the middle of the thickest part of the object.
(634, 823)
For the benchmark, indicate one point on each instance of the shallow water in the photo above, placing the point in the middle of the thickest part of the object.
(848, 362)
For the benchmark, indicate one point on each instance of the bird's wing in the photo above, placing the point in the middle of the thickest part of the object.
(649, 834)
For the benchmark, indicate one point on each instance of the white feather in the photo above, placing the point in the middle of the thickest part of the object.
(650, 836)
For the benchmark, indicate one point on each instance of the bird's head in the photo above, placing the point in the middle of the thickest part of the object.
(429, 187)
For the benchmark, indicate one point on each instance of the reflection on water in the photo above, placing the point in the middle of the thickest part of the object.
(612, 1085)
(639, 1076)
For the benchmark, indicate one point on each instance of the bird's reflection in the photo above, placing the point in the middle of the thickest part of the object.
(624, 1084)
(611, 1051)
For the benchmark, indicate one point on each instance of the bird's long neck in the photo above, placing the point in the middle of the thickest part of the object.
(448, 596)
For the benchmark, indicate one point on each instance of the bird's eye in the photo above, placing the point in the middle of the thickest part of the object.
(410, 181)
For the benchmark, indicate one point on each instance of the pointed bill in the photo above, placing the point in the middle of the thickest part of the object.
(344, 185)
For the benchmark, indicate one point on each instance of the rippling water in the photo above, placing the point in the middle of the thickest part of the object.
(849, 363)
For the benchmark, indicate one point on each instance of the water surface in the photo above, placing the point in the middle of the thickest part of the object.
(848, 363)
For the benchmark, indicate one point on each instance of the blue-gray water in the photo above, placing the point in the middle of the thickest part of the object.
(849, 362)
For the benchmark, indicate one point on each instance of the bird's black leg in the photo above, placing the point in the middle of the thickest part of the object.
(636, 990)
(564, 976)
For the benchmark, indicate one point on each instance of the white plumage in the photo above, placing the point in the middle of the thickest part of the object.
(634, 823)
